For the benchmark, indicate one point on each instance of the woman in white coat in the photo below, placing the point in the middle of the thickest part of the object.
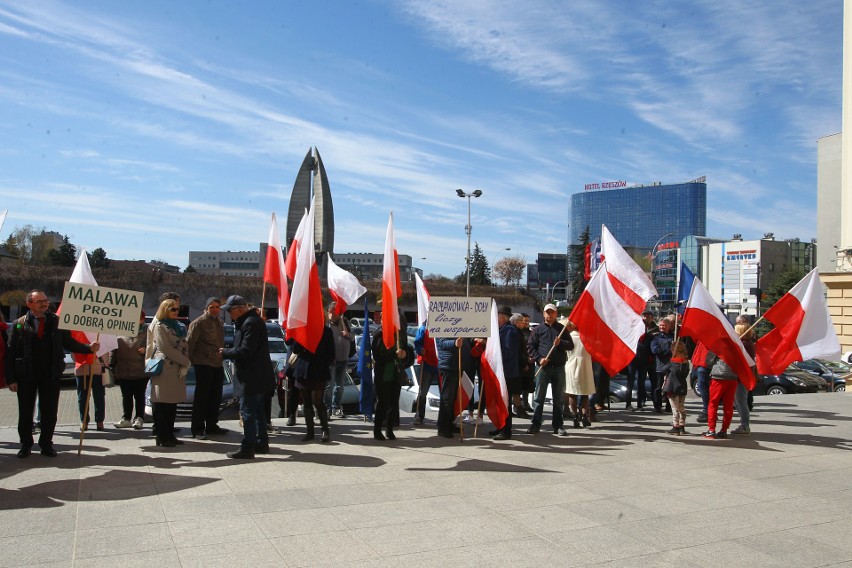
(579, 378)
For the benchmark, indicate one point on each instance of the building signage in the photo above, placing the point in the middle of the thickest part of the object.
(606, 185)
(741, 255)
(459, 316)
(100, 310)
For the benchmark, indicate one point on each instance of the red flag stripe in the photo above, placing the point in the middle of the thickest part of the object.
(602, 343)
(707, 328)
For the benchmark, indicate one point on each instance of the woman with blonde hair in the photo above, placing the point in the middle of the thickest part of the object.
(168, 388)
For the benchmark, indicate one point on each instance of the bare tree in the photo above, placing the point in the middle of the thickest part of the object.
(510, 269)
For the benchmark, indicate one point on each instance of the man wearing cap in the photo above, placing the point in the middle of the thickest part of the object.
(547, 346)
(205, 337)
(254, 371)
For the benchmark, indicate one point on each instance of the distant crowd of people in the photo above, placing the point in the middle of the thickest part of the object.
(535, 359)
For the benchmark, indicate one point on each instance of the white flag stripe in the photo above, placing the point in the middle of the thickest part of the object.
(422, 300)
(298, 316)
(343, 283)
(699, 298)
(613, 310)
(816, 337)
(83, 275)
(623, 267)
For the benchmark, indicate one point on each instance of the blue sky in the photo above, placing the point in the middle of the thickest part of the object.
(158, 127)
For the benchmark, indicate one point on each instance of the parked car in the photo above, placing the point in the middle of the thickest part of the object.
(277, 349)
(408, 394)
(833, 372)
(68, 373)
(792, 380)
(229, 335)
(228, 409)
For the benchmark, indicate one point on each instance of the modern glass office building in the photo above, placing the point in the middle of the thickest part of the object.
(644, 215)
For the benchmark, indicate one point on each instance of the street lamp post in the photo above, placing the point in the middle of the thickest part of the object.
(468, 229)
(654, 257)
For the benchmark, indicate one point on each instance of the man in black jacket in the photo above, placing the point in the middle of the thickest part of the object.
(547, 347)
(35, 360)
(254, 371)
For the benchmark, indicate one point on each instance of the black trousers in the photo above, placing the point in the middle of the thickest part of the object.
(48, 406)
(208, 397)
(387, 399)
(133, 390)
(449, 391)
(164, 420)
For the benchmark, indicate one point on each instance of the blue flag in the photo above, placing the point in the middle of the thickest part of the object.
(684, 286)
(365, 367)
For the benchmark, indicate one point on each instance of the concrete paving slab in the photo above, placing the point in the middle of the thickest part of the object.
(619, 494)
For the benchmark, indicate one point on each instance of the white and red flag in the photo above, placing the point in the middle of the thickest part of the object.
(293, 251)
(608, 326)
(465, 394)
(628, 279)
(492, 375)
(422, 300)
(83, 275)
(391, 289)
(703, 321)
(305, 318)
(343, 287)
(803, 328)
(273, 271)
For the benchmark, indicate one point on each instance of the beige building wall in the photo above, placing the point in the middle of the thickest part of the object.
(839, 301)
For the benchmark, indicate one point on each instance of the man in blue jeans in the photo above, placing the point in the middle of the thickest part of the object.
(547, 347)
(250, 354)
(343, 344)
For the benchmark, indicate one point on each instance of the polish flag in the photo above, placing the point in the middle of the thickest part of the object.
(628, 279)
(608, 326)
(703, 321)
(391, 289)
(273, 271)
(492, 375)
(343, 287)
(293, 251)
(466, 393)
(803, 328)
(83, 275)
(422, 300)
(3, 218)
(305, 319)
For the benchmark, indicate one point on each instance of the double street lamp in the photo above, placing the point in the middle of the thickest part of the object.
(468, 229)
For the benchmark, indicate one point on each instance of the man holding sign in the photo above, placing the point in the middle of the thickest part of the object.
(34, 362)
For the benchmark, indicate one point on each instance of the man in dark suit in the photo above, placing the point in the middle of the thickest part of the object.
(35, 360)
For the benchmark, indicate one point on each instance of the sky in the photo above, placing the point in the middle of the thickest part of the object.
(152, 128)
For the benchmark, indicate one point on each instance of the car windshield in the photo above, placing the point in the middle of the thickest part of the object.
(277, 347)
(838, 366)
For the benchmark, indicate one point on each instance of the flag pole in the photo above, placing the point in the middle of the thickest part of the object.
(263, 302)
(552, 347)
(459, 398)
(83, 424)
(760, 319)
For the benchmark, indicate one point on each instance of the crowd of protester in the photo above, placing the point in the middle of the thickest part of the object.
(549, 356)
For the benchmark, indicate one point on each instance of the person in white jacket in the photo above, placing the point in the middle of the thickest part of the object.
(579, 379)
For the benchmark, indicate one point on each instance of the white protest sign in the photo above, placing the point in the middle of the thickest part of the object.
(100, 310)
(459, 316)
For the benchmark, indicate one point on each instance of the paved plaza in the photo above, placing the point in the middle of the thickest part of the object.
(622, 493)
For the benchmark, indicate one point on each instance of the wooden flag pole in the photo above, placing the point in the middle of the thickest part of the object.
(263, 302)
(552, 347)
(83, 423)
(459, 398)
(760, 319)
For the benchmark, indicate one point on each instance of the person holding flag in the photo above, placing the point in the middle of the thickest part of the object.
(548, 346)
(454, 359)
(388, 375)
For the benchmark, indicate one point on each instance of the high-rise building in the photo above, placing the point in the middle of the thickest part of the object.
(643, 215)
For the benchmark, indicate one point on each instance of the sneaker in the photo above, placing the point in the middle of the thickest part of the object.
(702, 418)
(270, 429)
(418, 421)
(741, 430)
(138, 423)
(123, 423)
(629, 408)
(674, 430)
(721, 435)
(682, 430)
(709, 434)
(468, 419)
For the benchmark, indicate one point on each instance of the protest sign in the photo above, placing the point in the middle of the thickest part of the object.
(100, 310)
(459, 316)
